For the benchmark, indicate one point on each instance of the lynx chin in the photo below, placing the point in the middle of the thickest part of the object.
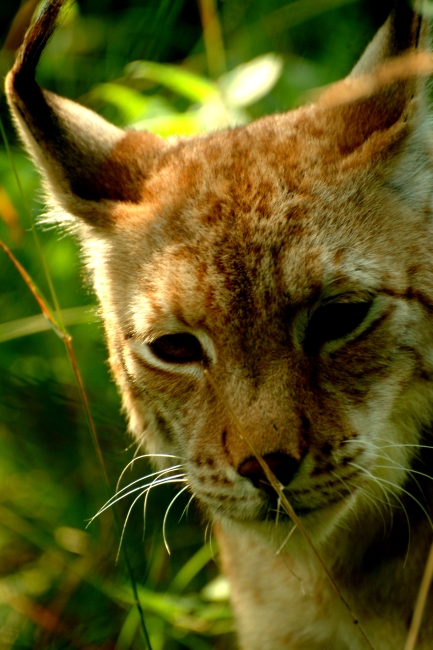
(267, 294)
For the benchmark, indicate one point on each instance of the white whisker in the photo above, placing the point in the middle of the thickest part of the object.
(206, 531)
(381, 480)
(185, 510)
(166, 515)
(374, 499)
(145, 501)
(178, 478)
(159, 473)
(403, 444)
(409, 471)
(154, 483)
(145, 456)
(157, 481)
(126, 521)
(386, 491)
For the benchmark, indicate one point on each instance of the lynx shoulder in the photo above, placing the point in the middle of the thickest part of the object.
(267, 293)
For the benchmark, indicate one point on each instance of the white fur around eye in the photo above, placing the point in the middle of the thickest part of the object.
(144, 351)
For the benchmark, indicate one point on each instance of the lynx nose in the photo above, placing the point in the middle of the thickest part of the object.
(282, 465)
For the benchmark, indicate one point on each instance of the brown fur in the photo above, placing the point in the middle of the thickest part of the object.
(242, 239)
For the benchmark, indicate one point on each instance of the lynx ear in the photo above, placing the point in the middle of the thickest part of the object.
(86, 160)
(383, 99)
(403, 31)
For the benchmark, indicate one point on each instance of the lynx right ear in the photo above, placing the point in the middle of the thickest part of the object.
(381, 106)
(86, 160)
(404, 30)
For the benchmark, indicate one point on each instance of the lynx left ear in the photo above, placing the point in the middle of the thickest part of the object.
(86, 160)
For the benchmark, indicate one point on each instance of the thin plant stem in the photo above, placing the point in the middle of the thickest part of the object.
(27, 210)
(67, 340)
(420, 603)
(212, 36)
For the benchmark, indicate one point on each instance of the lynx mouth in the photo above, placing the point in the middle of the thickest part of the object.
(280, 515)
(273, 510)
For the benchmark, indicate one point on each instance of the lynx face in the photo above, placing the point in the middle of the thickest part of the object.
(267, 294)
(304, 295)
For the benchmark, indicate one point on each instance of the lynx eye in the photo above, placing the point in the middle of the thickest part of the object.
(334, 321)
(177, 348)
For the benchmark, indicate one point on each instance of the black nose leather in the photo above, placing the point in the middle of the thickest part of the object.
(282, 465)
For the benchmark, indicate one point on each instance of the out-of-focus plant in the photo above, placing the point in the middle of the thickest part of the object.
(211, 105)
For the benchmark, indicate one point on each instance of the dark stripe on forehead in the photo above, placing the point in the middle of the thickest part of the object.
(411, 294)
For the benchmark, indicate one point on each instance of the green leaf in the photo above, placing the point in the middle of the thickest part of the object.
(38, 323)
(218, 590)
(193, 87)
(189, 570)
(131, 104)
(250, 82)
(175, 124)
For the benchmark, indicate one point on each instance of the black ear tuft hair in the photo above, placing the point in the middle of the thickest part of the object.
(35, 41)
(85, 159)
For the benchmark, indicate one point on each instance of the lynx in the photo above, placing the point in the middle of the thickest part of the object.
(267, 294)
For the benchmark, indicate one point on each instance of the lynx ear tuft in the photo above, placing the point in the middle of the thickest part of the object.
(383, 99)
(85, 159)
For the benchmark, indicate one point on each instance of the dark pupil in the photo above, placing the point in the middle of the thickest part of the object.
(333, 321)
(177, 348)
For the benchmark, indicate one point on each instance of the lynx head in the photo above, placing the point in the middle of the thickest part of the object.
(278, 275)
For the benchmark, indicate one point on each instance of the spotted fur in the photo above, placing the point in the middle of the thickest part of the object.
(288, 267)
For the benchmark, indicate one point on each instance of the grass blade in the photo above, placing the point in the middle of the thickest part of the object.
(67, 339)
(420, 603)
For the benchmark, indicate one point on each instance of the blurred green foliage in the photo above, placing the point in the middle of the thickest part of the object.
(145, 64)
